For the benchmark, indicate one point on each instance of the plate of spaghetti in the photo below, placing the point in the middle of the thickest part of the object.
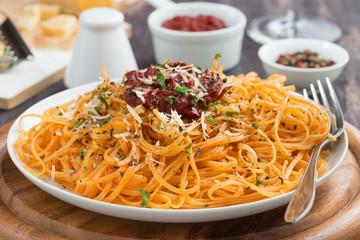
(173, 143)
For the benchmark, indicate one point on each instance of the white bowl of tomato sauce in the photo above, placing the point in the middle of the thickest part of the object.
(198, 47)
(331, 60)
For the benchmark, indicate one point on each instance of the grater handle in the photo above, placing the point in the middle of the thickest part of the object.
(15, 40)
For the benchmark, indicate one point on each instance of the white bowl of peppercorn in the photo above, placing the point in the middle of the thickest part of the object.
(303, 61)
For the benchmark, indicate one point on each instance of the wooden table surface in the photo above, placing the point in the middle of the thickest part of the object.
(344, 13)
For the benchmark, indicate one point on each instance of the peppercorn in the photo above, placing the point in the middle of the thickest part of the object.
(305, 59)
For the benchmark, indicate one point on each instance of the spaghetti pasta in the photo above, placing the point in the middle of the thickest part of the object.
(253, 144)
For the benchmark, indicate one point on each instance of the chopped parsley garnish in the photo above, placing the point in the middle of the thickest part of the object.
(230, 113)
(258, 182)
(294, 116)
(103, 121)
(210, 119)
(160, 65)
(60, 114)
(170, 99)
(76, 124)
(252, 86)
(183, 89)
(122, 158)
(82, 154)
(212, 104)
(217, 56)
(187, 147)
(206, 205)
(161, 80)
(255, 125)
(102, 98)
(196, 99)
(97, 107)
(146, 197)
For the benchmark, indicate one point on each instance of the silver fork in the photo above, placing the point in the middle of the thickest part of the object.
(304, 196)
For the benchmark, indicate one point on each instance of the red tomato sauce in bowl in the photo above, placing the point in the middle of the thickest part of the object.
(201, 23)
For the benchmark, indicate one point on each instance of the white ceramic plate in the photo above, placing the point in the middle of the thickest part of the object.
(146, 214)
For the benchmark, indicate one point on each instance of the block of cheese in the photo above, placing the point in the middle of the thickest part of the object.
(27, 22)
(45, 11)
(62, 25)
(66, 6)
(32, 10)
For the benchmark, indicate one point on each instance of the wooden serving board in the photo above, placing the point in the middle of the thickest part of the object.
(26, 212)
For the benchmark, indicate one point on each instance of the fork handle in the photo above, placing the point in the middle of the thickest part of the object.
(304, 196)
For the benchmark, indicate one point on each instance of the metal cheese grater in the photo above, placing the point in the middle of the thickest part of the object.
(13, 47)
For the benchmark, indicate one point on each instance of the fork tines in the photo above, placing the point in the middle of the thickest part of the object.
(331, 104)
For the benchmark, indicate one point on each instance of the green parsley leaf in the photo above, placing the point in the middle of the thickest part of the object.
(170, 99)
(217, 56)
(255, 125)
(122, 158)
(196, 99)
(252, 86)
(183, 89)
(212, 104)
(160, 65)
(146, 197)
(210, 119)
(206, 205)
(205, 104)
(161, 80)
(82, 154)
(230, 113)
(103, 90)
(76, 124)
(187, 147)
(97, 107)
(60, 113)
(258, 182)
(103, 121)
(102, 98)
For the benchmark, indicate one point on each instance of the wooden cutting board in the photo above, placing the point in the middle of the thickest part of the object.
(26, 212)
(30, 77)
